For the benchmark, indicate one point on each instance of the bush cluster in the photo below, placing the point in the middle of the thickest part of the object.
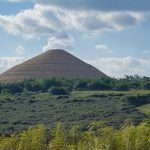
(66, 85)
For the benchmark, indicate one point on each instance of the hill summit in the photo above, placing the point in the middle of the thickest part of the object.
(53, 63)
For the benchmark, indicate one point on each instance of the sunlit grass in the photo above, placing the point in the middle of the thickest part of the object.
(145, 109)
(89, 93)
(97, 137)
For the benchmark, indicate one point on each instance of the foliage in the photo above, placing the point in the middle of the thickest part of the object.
(129, 137)
(146, 85)
(95, 85)
(77, 84)
(80, 108)
(58, 91)
(121, 87)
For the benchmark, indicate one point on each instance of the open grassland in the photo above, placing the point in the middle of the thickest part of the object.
(131, 92)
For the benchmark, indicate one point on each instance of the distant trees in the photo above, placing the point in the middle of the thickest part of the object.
(63, 85)
(12, 88)
(134, 85)
(146, 85)
(121, 87)
(97, 85)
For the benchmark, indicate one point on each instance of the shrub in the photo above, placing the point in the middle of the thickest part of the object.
(48, 83)
(58, 91)
(33, 86)
(97, 86)
(80, 85)
(121, 87)
(13, 88)
(146, 85)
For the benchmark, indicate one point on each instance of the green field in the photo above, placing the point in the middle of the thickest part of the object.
(131, 92)
(20, 111)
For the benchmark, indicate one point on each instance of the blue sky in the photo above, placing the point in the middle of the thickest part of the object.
(112, 36)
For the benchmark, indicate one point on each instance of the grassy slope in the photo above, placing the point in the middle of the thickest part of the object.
(23, 110)
(132, 92)
(145, 109)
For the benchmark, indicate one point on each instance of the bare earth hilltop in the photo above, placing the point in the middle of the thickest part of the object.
(53, 63)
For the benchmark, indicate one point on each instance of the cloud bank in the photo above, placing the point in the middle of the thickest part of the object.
(8, 62)
(49, 22)
(119, 67)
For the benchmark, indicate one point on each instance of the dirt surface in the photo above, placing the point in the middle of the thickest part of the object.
(56, 62)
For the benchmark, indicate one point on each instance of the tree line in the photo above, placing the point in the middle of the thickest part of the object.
(64, 86)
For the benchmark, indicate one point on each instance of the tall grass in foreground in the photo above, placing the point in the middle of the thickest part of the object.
(97, 137)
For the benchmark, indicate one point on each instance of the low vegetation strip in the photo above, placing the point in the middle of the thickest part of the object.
(97, 137)
(22, 110)
(73, 102)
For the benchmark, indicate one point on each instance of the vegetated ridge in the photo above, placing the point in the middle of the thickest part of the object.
(53, 63)
(73, 102)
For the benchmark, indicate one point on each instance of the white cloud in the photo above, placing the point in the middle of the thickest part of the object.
(20, 49)
(103, 48)
(60, 42)
(8, 62)
(118, 67)
(95, 22)
(48, 21)
(33, 23)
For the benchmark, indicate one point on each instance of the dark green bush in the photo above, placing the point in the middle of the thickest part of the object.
(121, 87)
(81, 85)
(97, 86)
(33, 86)
(146, 85)
(58, 91)
(48, 83)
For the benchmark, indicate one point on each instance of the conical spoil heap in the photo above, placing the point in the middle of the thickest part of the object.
(53, 63)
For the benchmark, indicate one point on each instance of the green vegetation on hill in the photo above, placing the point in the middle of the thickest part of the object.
(73, 102)
(26, 109)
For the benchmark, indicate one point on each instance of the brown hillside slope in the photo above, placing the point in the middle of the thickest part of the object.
(53, 63)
